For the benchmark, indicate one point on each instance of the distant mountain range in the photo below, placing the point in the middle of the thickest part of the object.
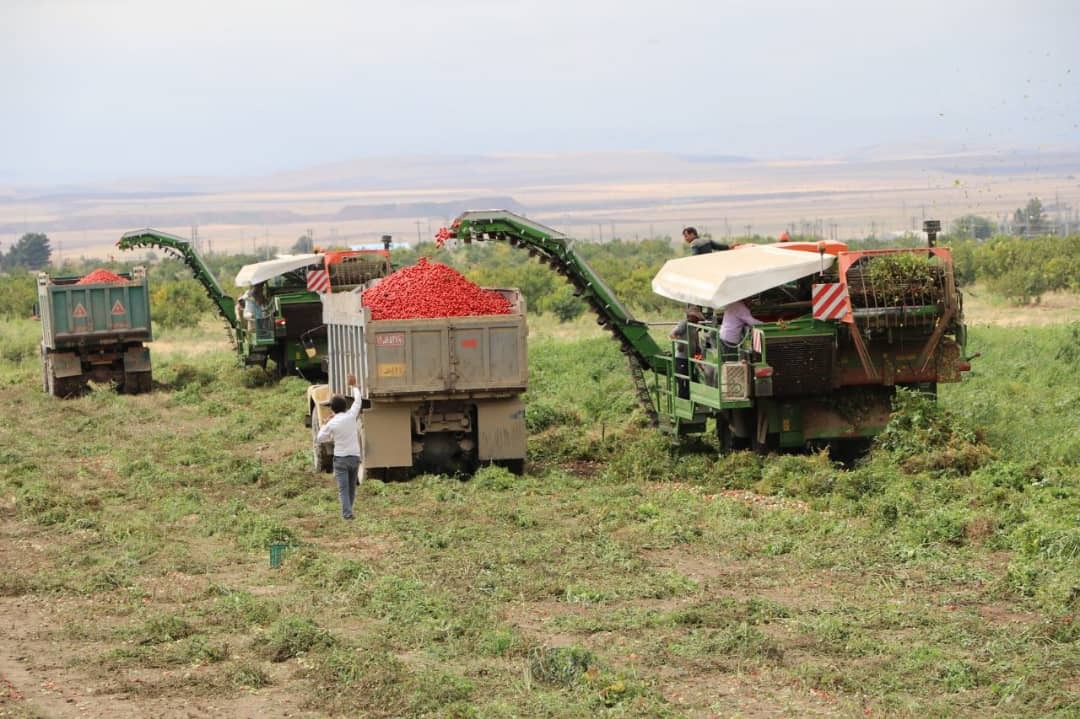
(377, 188)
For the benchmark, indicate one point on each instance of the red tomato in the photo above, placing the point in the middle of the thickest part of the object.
(430, 289)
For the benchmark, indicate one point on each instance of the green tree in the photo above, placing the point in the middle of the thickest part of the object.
(302, 246)
(18, 293)
(32, 251)
(565, 304)
(178, 303)
(974, 226)
(1036, 219)
(1030, 220)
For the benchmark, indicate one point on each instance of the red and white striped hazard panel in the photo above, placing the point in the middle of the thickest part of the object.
(830, 301)
(318, 281)
(757, 340)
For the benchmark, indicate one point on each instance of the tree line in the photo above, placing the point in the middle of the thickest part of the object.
(1031, 220)
(1019, 268)
(31, 252)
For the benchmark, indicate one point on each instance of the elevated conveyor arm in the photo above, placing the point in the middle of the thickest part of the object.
(182, 249)
(555, 249)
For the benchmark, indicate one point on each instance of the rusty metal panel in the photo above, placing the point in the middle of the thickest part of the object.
(500, 429)
(386, 435)
(66, 364)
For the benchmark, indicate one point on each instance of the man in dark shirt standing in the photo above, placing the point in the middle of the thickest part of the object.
(682, 340)
(701, 245)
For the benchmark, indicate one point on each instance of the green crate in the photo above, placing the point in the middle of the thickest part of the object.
(277, 553)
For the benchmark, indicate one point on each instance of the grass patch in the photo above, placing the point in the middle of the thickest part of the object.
(622, 574)
(290, 637)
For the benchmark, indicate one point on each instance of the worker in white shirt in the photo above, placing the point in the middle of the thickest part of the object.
(737, 319)
(342, 430)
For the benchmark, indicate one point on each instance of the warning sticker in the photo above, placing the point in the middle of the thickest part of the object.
(390, 339)
(79, 311)
(118, 308)
(391, 370)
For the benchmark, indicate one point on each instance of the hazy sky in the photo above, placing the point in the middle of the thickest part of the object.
(109, 88)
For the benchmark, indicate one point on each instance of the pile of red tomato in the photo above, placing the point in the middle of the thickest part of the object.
(100, 276)
(430, 289)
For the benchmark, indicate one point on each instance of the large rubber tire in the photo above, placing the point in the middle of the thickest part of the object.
(848, 452)
(44, 371)
(61, 386)
(277, 359)
(146, 382)
(51, 380)
(724, 435)
(743, 419)
(763, 446)
(131, 383)
(322, 455)
(513, 466)
(380, 473)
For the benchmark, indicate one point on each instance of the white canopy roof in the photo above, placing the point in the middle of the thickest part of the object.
(720, 278)
(258, 272)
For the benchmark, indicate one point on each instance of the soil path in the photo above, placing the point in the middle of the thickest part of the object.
(47, 670)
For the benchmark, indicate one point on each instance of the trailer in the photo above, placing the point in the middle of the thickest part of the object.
(94, 331)
(439, 394)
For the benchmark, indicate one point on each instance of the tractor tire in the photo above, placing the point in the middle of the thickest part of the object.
(736, 422)
(130, 384)
(61, 386)
(513, 466)
(848, 452)
(44, 371)
(724, 435)
(762, 441)
(277, 358)
(380, 473)
(51, 380)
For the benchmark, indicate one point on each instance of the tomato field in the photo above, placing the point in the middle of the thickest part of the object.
(619, 577)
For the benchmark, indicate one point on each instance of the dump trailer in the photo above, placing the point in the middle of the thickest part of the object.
(439, 394)
(841, 331)
(94, 331)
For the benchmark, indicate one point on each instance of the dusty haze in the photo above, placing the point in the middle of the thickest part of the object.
(590, 196)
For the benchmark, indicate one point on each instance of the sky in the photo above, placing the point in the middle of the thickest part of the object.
(117, 89)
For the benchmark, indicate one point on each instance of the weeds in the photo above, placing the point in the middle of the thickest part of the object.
(291, 636)
(925, 436)
(166, 628)
(559, 666)
(249, 676)
(740, 640)
(936, 577)
(240, 610)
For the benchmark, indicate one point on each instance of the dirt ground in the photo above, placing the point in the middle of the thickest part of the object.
(1053, 308)
(48, 668)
